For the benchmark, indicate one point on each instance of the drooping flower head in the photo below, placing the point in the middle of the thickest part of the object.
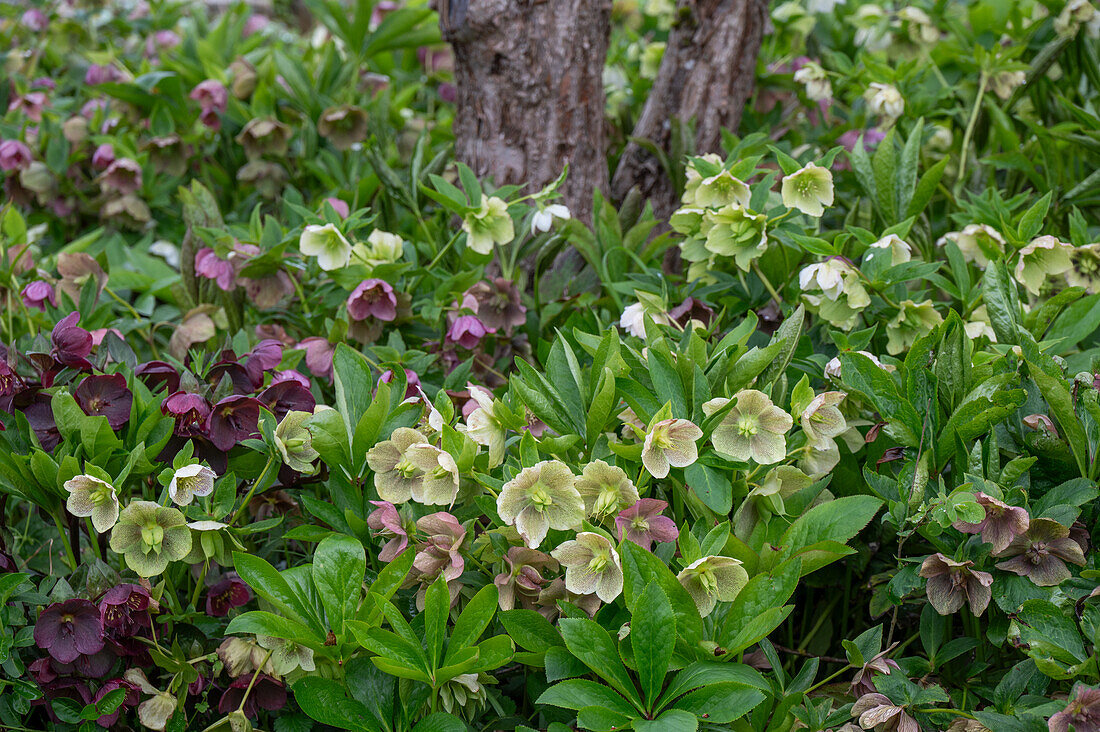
(876, 711)
(124, 609)
(1041, 553)
(913, 321)
(190, 481)
(670, 443)
(385, 520)
(373, 298)
(395, 475)
(295, 442)
(591, 566)
(150, 537)
(440, 554)
(343, 126)
(721, 189)
(821, 420)
(71, 343)
(900, 251)
(107, 396)
(809, 190)
(978, 243)
(264, 136)
(332, 250)
(522, 577)
(483, 426)
(735, 232)
(1002, 522)
(1082, 712)
(952, 584)
(643, 524)
(489, 225)
(233, 419)
(885, 100)
(70, 629)
(541, 497)
(754, 429)
(225, 595)
(842, 294)
(90, 496)
(439, 481)
(1041, 259)
(36, 294)
(711, 580)
(606, 489)
(14, 155)
(190, 412)
(767, 498)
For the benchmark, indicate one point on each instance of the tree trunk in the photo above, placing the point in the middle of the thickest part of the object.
(706, 76)
(530, 91)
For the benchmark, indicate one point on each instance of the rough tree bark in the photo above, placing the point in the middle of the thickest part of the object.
(706, 75)
(529, 75)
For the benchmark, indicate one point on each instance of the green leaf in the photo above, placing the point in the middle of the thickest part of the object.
(437, 610)
(838, 520)
(1057, 394)
(339, 566)
(674, 720)
(711, 485)
(862, 375)
(1002, 302)
(354, 382)
(653, 637)
(595, 648)
(789, 333)
(325, 701)
(1031, 223)
(641, 567)
(531, 630)
(266, 582)
(580, 693)
(262, 622)
(721, 703)
(475, 617)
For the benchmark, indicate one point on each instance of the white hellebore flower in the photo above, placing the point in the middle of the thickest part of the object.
(900, 251)
(815, 80)
(885, 100)
(633, 319)
(190, 481)
(90, 496)
(327, 244)
(1043, 257)
(544, 217)
(809, 190)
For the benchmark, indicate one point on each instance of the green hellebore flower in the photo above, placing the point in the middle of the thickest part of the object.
(286, 655)
(606, 489)
(754, 429)
(978, 243)
(395, 476)
(1085, 271)
(809, 190)
(713, 579)
(591, 566)
(295, 443)
(1040, 259)
(670, 443)
(821, 420)
(913, 321)
(780, 483)
(150, 536)
(327, 244)
(694, 178)
(736, 232)
(439, 482)
(722, 190)
(93, 497)
(542, 497)
(489, 225)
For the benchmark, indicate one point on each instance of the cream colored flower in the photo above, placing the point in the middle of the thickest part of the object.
(816, 82)
(327, 244)
(809, 190)
(979, 243)
(591, 566)
(912, 321)
(542, 497)
(821, 420)
(395, 476)
(438, 484)
(670, 442)
(885, 100)
(1043, 257)
(490, 224)
(711, 580)
(89, 496)
(484, 427)
(606, 489)
(722, 190)
(900, 251)
(754, 429)
(190, 481)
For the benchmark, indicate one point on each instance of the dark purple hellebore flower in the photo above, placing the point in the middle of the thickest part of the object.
(69, 629)
(243, 378)
(373, 297)
(71, 343)
(290, 375)
(10, 385)
(227, 594)
(267, 693)
(107, 396)
(267, 354)
(233, 419)
(132, 698)
(36, 294)
(287, 396)
(190, 410)
(158, 374)
(123, 609)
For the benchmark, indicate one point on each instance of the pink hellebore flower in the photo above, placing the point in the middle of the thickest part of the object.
(34, 20)
(467, 331)
(318, 355)
(1002, 522)
(31, 105)
(441, 552)
(643, 523)
(101, 74)
(386, 521)
(122, 176)
(14, 155)
(373, 297)
(103, 156)
(952, 584)
(340, 207)
(209, 265)
(36, 294)
(1083, 712)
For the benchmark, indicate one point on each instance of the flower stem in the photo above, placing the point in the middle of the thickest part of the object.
(767, 283)
(255, 676)
(969, 132)
(252, 490)
(198, 585)
(69, 555)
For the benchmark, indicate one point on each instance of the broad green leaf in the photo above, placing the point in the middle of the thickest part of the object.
(339, 566)
(596, 649)
(653, 637)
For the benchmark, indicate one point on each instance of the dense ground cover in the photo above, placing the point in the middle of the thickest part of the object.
(305, 427)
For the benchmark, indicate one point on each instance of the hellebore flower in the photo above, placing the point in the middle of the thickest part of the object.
(103, 156)
(1086, 266)
(343, 126)
(439, 475)
(498, 304)
(106, 396)
(225, 595)
(213, 98)
(863, 682)
(816, 82)
(326, 243)
(1002, 522)
(191, 412)
(267, 693)
(522, 576)
(373, 297)
(190, 481)
(483, 426)
(467, 331)
(713, 579)
(386, 521)
(36, 294)
(71, 343)
(150, 536)
(842, 293)
(295, 443)
(978, 243)
(643, 523)
(318, 355)
(544, 217)
(606, 489)
(670, 442)
(441, 552)
(912, 322)
(633, 318)
(754, 429)
(382, 247)
(591, 566)
(885, 100)
(541, 497)
(736, 232)
(951, 584)
(89, 496)
(264, 136)
(70, 629)
(900, 251)
(233, 419)
(286, 655)
(242, 656)
(14, 155)
(209, 265)
(876, 711)
(821, 420)
(809, 190)
(395, 476)
(123, 609)
(489, 225)
(1082, 711)
(1040, 259)
(1041, 553)
(721, 190)
(123, 176)
(781, 482)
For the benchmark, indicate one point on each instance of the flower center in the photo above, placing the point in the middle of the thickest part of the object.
(607, 501)
(639, 523)
(406, 468)
(747, 426)
(707, 580)
(540, 497)
(152, 535)
(101, 495)
(598, 562)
